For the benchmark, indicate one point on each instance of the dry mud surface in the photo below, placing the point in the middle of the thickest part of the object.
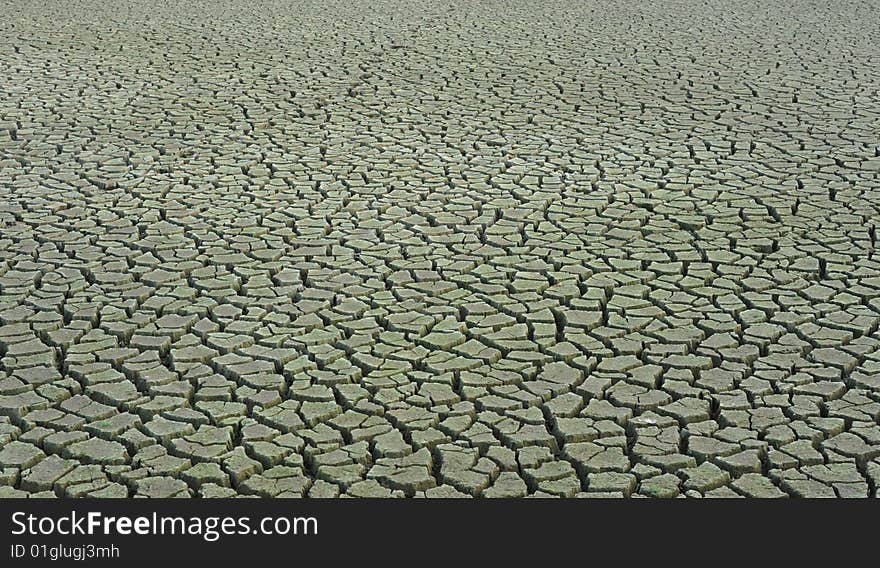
(413, 249)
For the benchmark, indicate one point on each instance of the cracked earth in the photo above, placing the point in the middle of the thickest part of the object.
(387, 249)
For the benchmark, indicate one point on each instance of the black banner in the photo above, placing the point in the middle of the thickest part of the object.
(147, 532)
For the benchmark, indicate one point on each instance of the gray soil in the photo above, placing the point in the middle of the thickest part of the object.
(424, 249)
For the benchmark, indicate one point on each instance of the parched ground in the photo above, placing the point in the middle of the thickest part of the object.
(489, 249)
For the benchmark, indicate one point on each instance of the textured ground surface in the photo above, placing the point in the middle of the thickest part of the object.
(411, 249)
